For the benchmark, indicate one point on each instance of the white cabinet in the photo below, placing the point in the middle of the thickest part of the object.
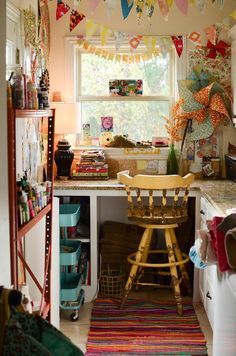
(208, 278)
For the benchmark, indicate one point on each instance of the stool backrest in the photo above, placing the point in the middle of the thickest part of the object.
(173, 191)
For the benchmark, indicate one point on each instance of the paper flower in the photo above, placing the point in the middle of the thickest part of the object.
(208, 108)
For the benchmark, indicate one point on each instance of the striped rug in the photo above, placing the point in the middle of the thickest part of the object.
(144, 328)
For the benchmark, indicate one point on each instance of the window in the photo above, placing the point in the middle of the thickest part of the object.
(139, 117)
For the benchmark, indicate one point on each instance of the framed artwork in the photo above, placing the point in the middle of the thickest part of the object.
(125, 87)
(106, 123)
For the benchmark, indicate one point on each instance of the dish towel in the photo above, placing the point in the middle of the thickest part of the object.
(230, 247)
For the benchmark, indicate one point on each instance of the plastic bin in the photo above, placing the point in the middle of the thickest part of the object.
(69, 214)
(70, 286)
(69, 252)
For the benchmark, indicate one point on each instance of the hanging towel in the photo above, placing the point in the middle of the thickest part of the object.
(196, 259)
(230, 247)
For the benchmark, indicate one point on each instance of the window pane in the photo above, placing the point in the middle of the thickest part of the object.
(97, 71)
(141, 120)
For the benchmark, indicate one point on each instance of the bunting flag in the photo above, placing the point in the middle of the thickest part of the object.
(150, 43)
(119, 38)
(62, 9)
(164, 8)
(149, 7)
(178, 42)
(105, 32)
(225, 23)
(139, 8)
(195, 37)
(126, 6)
(164, 43)
(134, 42)
(110, 5)
(211, 34)
(94, 4)
(233, 14)
(201, 4)
(182, 6)
(90, 27)
(75, 18)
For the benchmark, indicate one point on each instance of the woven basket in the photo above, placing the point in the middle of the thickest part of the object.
(111, 282)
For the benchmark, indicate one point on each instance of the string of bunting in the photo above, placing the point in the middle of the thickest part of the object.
(155, 45)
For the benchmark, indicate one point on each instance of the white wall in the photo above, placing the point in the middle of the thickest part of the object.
(4, 217)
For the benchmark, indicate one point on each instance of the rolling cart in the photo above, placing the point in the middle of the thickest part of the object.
(71, 275)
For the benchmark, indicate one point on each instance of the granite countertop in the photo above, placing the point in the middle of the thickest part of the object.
(220, 193)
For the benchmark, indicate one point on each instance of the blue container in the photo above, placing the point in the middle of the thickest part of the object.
(69, 214)
(70, 286)
(69, 252)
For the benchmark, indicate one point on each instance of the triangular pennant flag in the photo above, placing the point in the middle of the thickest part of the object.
(62, 9)
(201, 4)
(225, 23)
(211, 34)
(178, 42)
(94, 4)
(110, 5)
(164, 8)
(126, 6)
(164, 43)
(182, 6)
(150, 43)
(134, 42)
(195, 37)
(90, 27)
(149, 6)
(139, 8)
(119, 38)
(75, 18)
(105, 32)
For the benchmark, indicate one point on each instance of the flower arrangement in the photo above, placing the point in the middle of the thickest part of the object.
(174, 126)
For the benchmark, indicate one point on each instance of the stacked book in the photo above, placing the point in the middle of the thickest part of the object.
(91, 165)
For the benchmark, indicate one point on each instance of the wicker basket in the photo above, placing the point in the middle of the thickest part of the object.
(111, 282)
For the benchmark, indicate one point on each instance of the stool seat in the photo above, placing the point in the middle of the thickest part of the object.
(163, 210)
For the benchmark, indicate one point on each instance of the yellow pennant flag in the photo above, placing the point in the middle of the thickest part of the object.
(150, 43)
(105, 32)
(90, 27)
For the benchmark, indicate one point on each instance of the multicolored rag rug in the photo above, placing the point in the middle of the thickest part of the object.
(144, 328)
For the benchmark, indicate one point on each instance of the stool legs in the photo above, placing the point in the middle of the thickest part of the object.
(182, 267)
(141, 255)
(173, 271)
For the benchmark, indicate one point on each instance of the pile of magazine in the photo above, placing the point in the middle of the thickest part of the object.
(92, 165)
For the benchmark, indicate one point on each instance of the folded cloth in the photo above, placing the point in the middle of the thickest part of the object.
(228, 223)
(218, 240)
(201, 244)
(196, 259)
(230, 247)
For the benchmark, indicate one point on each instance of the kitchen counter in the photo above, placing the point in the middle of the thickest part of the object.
(220, 193)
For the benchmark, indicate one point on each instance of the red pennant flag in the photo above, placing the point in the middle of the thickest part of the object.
(178, 42)
(75, 18)
(62, 9)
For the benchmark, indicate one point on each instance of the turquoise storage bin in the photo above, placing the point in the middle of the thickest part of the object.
(70, 286)
(69, 214)
(70, 254)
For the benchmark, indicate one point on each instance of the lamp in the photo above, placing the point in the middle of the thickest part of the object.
(67, 121)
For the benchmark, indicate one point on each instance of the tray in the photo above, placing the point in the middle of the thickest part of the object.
(70, 286)
(69, 214)
(69, 252)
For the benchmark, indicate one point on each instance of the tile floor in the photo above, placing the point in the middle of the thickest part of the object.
(78, 331)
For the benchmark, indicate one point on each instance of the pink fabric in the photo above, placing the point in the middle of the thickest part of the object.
(218, 243)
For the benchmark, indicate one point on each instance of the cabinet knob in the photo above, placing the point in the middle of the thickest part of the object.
(208, 295)
(202, 212)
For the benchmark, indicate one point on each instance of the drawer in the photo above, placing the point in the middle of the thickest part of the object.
(210, 303)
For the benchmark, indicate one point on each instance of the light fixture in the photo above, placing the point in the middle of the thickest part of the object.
(67, 122)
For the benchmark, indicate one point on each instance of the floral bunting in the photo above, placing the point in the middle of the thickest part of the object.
(110, 5)
(195, 37)
(126, 6)
(201, 4)
(105, 32)
(178, 42)
(62, 9)
(75, 18)
(94, 4)
(119, 38)
(90, 27)
(139, 8)
(164, 8)
(134, 42)
(150, 43)
(149, 7)
(182, 6)
(211, 34)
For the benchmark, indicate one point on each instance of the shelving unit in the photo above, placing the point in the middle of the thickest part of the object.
(18, 232)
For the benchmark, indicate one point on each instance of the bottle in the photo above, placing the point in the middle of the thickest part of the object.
(18, 90)
(9, 95)
(32, 95)
(172, 164)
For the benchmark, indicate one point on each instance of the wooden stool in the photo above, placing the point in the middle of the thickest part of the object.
(155, 211)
